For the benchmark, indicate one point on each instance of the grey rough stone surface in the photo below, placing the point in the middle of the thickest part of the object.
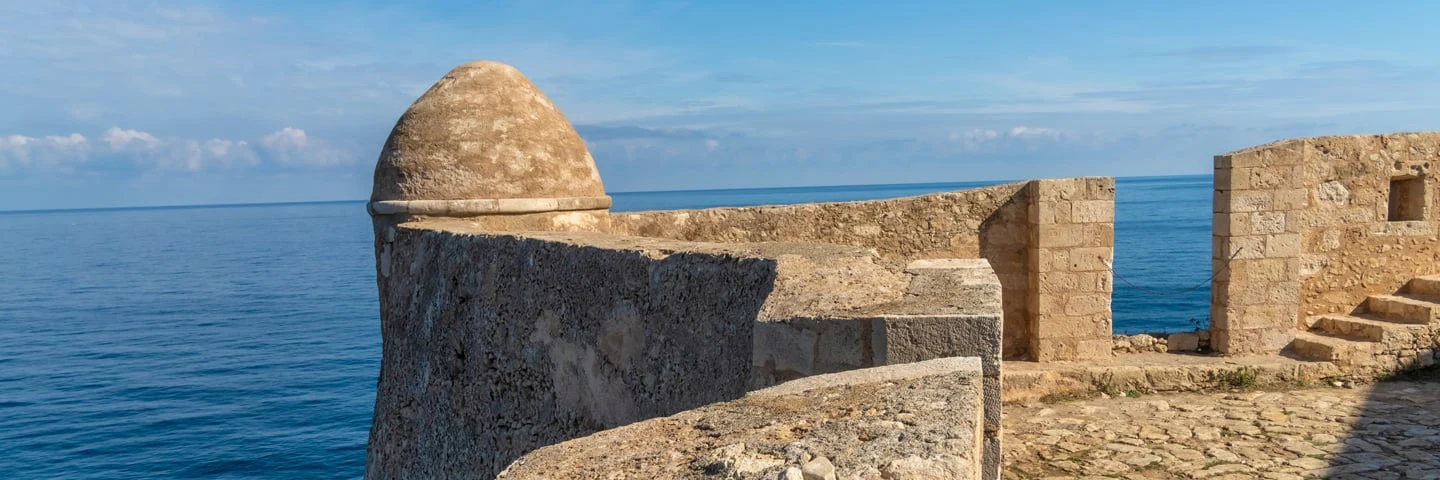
(919, 420)
(498, 344)
(495, 345)
(951, 286)
(919, 338)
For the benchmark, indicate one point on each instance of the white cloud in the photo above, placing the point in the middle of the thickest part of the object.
(125, 139)
(288, 147)
(291, 146)
(979, 138)
(53, 151)
(712, 144)
(1023, 131)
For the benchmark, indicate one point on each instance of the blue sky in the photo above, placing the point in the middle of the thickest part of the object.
(121, 103)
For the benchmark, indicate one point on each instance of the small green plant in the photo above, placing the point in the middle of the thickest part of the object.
(1243, 377)
(1132, 393)
(1105, 383)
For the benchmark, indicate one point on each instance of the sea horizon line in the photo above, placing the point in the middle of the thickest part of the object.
(630, 192)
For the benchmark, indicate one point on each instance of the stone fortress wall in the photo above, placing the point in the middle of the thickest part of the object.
(518, 312)
(1058, 309)
(1324, 244)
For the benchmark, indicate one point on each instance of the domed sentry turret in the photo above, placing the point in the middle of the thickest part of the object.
(483, 141)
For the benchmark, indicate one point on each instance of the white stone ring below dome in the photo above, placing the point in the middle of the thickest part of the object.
(486, 206)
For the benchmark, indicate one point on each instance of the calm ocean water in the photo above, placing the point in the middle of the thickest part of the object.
(243, 342)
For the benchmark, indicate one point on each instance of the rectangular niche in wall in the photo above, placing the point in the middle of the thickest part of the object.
(1407, 199)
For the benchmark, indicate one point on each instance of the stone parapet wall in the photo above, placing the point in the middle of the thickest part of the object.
(542, 337)
(952, 308)
(988, 222)
(997, 223)
(1304, 227)
(1071, 247)
(917, 420)
(496, 345)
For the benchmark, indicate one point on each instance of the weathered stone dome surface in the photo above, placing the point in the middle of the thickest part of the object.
(484, 132)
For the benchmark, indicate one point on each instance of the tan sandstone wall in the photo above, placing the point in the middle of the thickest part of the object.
(1072, 244)
(994, 223)
(1302, 227)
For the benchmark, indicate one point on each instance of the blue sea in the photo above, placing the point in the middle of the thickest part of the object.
(243, 341)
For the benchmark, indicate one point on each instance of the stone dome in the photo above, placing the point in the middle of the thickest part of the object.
(485, 132)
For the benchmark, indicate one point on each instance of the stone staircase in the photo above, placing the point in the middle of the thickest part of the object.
(1388, 333)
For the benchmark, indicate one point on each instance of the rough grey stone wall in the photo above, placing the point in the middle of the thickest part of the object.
(495, 345)
(917, 420)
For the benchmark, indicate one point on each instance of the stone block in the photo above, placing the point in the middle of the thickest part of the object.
(1252, 341)
(914, 338)
(1087, 304)
(1283, 245)
(1093, 211)
(1183, 342)
(1277, 177)
(1292, 199)
(1267, 223)
(1051, 212)
(1089, 259)
(1231, 224)
(1057, 282)
(1099, 234)
(1220, 201)
(1052, 189)
(1060, 325)
(1260, 316)
(953, 286)
(1061, 235)
(1251, 201)
(1242, 247)
(1093, 281)
(784, 350)
(1263, 270)
(840, 344)
(1100, 188)
(1051, 259)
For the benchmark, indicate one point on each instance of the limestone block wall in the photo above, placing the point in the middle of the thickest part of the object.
(918, 420)
(1072, 244)
(1311, 226)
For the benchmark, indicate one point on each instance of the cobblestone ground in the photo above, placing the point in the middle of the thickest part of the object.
(1385, 431)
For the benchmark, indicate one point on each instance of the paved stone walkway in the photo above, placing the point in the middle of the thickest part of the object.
(1385, 431)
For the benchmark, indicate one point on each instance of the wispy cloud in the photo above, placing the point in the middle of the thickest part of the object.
(139, 151)
(1224, 53)
(840, 44)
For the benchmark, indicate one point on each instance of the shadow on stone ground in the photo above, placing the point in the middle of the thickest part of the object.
(1390, 430)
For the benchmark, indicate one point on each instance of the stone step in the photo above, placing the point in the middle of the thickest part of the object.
(1403, 308)
(1335, 350)
(1370, 329)
(1427, 286)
